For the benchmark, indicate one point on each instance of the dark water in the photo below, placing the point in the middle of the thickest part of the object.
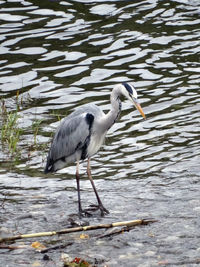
(61, 54)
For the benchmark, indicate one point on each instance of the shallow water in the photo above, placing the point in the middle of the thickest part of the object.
(59, 55)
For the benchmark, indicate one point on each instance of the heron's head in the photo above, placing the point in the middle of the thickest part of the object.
(128, 90)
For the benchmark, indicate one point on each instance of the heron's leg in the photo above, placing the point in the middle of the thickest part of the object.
(78, 188)
(80, 210)
(101, 207)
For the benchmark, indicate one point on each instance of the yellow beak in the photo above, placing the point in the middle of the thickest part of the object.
(137, 105)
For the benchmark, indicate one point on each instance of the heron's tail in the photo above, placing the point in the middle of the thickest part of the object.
(49, 166)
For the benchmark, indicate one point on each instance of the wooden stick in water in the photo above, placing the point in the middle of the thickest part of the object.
(78, 229)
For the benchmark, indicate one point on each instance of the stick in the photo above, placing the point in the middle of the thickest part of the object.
(12, 247)
(45, 250)
(78, 229)
(117, 232)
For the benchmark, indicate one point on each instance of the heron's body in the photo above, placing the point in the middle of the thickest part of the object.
(76, 138)
(82, 133)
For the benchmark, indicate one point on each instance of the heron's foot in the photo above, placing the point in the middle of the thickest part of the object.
(100, 207)
(84, 213)
(77, 223)
(103, 210)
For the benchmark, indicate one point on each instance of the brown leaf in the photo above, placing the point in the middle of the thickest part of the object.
(37, 245)
(84, 236)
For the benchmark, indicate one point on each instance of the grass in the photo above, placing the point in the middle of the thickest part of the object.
(35, 129)
(10, 131)
(56, 115)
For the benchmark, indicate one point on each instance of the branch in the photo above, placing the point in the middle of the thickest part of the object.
(78, 229)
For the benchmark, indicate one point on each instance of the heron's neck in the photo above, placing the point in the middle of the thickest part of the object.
(113, 114)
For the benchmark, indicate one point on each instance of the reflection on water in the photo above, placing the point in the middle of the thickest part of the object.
(60, 55)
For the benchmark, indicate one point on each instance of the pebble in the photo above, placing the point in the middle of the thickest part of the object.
(150, 253)
(171, 238)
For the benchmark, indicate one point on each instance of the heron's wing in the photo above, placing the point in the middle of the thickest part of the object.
(70, 136)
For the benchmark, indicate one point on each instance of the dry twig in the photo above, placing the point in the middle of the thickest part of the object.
(78, 229)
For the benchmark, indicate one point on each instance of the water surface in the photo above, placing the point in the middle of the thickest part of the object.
(59, 55)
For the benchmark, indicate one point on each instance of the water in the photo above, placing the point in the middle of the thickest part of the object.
(59, 55)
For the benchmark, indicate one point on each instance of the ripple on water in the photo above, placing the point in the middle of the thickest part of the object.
(59, 55)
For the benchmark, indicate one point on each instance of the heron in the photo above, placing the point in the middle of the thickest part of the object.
(82, 133)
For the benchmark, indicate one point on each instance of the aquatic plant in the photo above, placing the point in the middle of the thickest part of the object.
(10, 132)
(54, 113)
(35, 129)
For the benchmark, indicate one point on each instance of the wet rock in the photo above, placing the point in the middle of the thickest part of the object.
(46, 257)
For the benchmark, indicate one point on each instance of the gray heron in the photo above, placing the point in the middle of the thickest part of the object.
(82, 133)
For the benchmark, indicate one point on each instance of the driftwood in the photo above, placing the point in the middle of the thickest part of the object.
(10, 247)
(78, 229)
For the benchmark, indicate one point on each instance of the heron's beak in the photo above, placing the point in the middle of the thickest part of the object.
(137, 105)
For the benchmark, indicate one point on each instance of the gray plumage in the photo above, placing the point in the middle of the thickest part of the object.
(81, 134)
(73, 136)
